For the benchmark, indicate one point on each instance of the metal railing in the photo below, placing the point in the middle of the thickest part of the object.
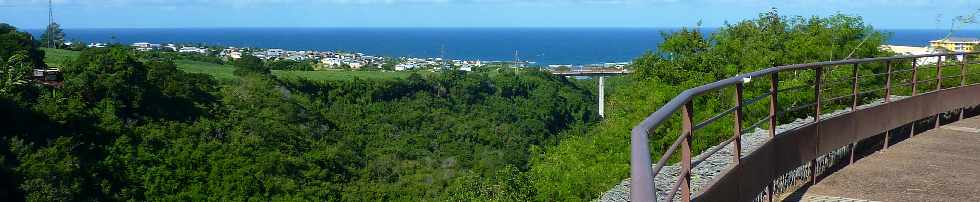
(642, 174)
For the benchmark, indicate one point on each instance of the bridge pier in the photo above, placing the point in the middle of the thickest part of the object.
(601, 74)
(602, 97)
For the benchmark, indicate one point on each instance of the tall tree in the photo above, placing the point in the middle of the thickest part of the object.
(14, 42)
(13, 73)
(250, 64)
(53, 36)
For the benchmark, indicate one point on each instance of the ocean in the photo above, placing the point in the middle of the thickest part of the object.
(541, 45)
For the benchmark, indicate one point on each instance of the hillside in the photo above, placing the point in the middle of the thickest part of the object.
(586, 164)
(56, 57)
(126, 128)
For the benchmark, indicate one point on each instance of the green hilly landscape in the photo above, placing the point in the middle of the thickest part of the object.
(129, 125)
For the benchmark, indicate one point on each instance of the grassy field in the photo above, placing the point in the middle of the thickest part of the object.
(55, 57)
(219, 71)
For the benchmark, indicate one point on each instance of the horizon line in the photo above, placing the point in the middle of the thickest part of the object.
(444, 27)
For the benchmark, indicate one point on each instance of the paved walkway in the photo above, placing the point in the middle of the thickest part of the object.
(937, 165)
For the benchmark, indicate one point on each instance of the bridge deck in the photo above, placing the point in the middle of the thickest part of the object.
(937, 165)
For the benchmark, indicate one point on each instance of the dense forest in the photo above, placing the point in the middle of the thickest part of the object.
(132, 126)
(125, 127)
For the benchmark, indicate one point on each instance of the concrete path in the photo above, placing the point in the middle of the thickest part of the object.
(937, 165)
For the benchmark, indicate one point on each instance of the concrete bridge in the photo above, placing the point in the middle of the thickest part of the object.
(592, 72)
(919, 144)
(601, 74)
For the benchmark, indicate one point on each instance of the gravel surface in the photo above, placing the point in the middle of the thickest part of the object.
(721, 160)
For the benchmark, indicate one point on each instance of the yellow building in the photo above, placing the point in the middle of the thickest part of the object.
(955, 44)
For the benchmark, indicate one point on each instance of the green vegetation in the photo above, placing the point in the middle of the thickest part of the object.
(125, 127)
(169, 55)
(218, 71)
(169, 127)
(57, 57)
(584, 165)
(225, 72)
(306, 65)
(53, 36)
(19, 43)
(343, 74)
(250, 65)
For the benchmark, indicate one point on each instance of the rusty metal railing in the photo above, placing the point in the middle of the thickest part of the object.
(801, 145)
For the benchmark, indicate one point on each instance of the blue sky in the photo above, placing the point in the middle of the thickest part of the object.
(887, 14)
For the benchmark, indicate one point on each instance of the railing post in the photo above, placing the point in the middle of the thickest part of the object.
(817, 87)
(773, 120)
(773, 102)
(963, 71)
(888, 81)
(915, 86)
(854, 103)
(687, 132)
(855, 88)
(939, 83)
(818, 82)
(888, 95)
(737, 148)
(962, 80)
(915, 76)
(939, 74)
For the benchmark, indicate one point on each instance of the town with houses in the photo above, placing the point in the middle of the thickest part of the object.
(349, 60)
(336, 60)
(339, 60)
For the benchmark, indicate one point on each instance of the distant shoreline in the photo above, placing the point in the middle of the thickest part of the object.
(543, 45)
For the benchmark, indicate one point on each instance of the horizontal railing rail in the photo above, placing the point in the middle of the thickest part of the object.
(643, 172)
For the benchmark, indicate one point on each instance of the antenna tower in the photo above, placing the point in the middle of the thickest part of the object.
(50, 21)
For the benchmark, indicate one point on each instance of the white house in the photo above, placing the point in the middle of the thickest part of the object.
(172, 47)
(403, 67)
(355, 65)
(235, 55)
(191, 49)
(96, 45)
(912, 50)
(274, 52)
(331, 61)
(142, 46)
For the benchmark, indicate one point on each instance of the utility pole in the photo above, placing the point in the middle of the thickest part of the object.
(50, 21)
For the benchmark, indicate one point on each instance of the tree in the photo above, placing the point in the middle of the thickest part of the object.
(77, 45)
(389, 64)
(51, 173)
(53, 36)
(250, 64)
(14, 42)
(14, 72)
(585, 164)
